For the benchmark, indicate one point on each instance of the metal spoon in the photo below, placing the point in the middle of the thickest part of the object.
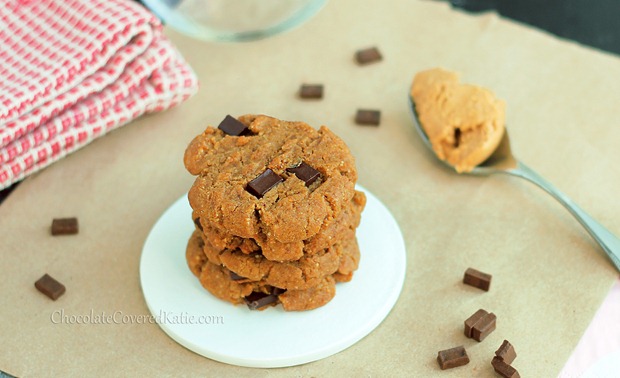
(502, 161)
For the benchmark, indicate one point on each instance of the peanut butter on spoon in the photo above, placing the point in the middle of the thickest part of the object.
(464, 123)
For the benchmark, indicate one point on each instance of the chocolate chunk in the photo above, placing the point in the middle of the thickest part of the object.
(198, 224)
(451, 358)
(263, 183)
(305, 172)
(277, 291)
(477, 279)
(504, 369)
(480, 325)
(311, 91)
(258, 300)
(235, 277)
(368, 117)
(231, 126)
(483, 327)
(457, 137)
(369, 55)
(506, 352)
(50, 287)
(472, 320)
(65, 226)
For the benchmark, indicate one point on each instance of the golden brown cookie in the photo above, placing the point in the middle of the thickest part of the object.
(217, 281)
(340, 259)
(226, 195)
(301, 274)
(348, 220)
(194, 254)
(309, 299)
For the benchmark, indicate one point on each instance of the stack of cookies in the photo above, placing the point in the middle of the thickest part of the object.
(275, 209)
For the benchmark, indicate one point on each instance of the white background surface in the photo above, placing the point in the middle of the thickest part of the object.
(598, 353)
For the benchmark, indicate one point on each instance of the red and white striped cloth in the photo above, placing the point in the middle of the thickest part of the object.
(72, 70)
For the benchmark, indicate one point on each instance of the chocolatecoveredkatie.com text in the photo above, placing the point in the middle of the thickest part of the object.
(60, 316)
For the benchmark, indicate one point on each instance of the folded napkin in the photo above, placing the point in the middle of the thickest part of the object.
(72, 70)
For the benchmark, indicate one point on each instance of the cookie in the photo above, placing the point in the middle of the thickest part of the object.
(341, 259)
(262, 185)
(300, 274)
(348, 220)
(194, 254)
(217, 281)
(309, 299)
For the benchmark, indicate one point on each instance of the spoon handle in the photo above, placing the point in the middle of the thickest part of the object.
(608, 241)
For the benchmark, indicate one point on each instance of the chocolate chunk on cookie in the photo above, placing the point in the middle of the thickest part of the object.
(258, 300)
(263, 183)
(305, 172)
(230, 126)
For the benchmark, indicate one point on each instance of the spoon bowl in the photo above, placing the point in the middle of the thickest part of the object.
(500, 160)
(503, 161)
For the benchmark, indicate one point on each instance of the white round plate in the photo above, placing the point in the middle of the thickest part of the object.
(606, 367)
(271, 338)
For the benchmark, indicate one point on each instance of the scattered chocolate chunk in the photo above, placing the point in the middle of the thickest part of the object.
(231, 126)
(483, 327)
(257, 300)
(235, 277)
(506, 352)
(198, 224)
(311, 91)
(368, 117)
(477, 279)
(368, 55)
(472, 320)
(263, 183)
(277, 291)
(65, 226)
(50, 287)
(480, 325)
(451, 358)
(504, 369)
(305, 173)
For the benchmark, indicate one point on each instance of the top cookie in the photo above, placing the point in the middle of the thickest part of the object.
(268, 179)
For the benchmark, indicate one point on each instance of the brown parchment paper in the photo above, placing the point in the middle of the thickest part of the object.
(549, 277)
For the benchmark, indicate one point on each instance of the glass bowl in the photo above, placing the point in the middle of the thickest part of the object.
(233, 20)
